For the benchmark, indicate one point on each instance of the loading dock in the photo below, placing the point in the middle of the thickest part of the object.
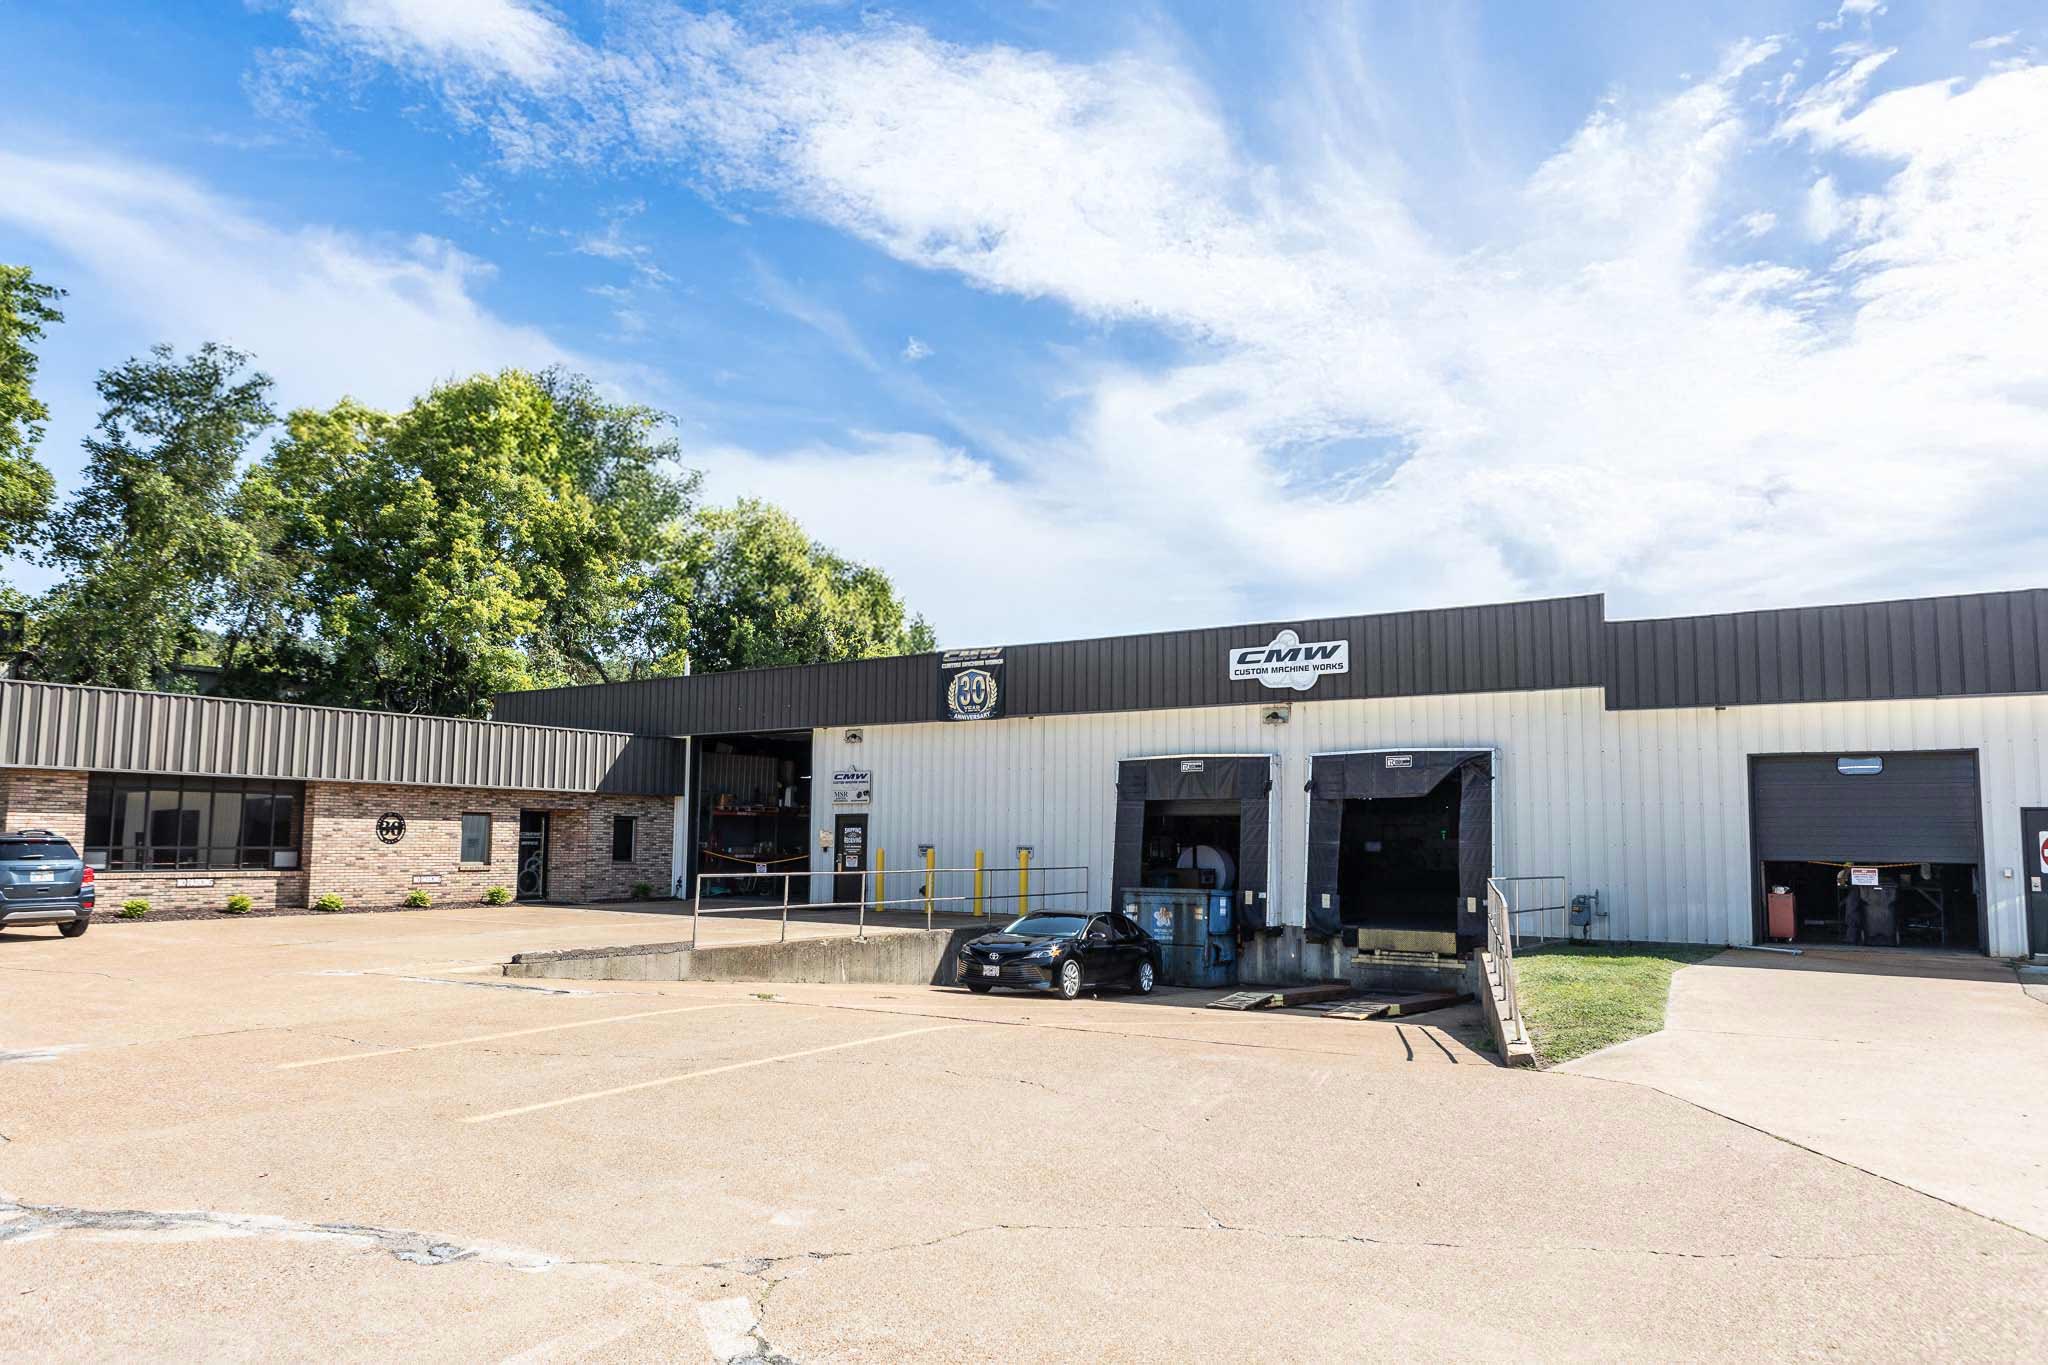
(1193, 856)
(751, 811)
(1400, 844)
(1878, 848)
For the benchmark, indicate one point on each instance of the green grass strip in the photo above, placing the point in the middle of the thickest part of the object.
(1578, 999)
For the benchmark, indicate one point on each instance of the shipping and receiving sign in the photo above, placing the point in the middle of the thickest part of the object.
(1288, 662)
(852, 787)
(971, 685)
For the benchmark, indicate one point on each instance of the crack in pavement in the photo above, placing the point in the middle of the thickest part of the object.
(22, 1222)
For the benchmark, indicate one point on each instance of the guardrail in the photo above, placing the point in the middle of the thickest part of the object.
(928, 894)
(1500, 943)
(1525, 896)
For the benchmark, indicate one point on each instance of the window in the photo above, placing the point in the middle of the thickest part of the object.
(134, 821)
(624, 828)
(476, 837)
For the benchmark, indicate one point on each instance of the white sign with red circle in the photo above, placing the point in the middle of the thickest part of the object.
(2041, 840)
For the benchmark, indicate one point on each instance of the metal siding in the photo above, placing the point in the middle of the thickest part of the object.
(1650, 808)
(1989, 644)
(1513, 647)
(48, 725)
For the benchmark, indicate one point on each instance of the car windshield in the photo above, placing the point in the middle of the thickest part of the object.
(1048, 924)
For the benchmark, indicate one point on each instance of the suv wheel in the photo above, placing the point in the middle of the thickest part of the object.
(74, 928)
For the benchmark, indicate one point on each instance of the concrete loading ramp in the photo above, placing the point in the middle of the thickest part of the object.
(920, 957)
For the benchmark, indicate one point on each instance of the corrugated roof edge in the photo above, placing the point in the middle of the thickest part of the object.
(1818, 606)
(314, 706)
(1274, 624)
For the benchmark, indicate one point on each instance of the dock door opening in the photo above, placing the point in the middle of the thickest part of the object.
(1400, 844)
(752, 813)
(1193, 834)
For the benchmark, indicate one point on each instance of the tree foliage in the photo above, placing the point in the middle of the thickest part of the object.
(504, 532)
(151, 540)
(768, 594)
(26, 308)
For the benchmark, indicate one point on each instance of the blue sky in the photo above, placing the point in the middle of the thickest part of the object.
(1085, 318)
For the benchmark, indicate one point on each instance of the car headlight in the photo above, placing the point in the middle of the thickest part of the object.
(1045, 954)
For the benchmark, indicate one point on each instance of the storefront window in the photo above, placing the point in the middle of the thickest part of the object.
(136, 822)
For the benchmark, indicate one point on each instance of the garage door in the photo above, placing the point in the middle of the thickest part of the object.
(1916, 807)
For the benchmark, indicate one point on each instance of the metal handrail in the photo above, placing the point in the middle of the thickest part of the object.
(1500, 942)
(929, 899)
(1511, 901)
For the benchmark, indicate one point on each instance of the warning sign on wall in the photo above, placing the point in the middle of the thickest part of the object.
(1863, 876)
(2041, 849)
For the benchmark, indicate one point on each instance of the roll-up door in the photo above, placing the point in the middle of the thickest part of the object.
(1919, 807)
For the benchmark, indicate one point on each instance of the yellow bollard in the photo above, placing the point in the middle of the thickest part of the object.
(1023, 881)
(931, 876)
(881, 880)
(980, 908)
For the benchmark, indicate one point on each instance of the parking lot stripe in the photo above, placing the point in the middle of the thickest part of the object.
(513, 1033)
(707, 1071)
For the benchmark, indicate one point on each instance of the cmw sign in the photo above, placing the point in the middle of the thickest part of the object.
(1287, 662)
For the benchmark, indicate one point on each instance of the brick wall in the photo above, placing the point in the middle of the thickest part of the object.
(344, 856)
(34, 799)
(340, 851)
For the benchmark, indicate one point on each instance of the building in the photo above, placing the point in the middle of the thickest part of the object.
(1875, 770)
(187, 800)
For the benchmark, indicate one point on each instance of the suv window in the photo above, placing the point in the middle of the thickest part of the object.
(13, 849)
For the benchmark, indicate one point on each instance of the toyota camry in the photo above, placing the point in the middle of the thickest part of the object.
(1062, 951)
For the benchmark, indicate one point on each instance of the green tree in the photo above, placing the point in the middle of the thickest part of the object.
(151, 542)
(505, 531)
(768, 594)
(26, 307)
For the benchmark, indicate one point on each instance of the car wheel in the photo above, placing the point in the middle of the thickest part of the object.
(1069, 979)
(74, 928)
(1144, 979)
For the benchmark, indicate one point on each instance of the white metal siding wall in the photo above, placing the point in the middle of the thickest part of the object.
(1650, 808)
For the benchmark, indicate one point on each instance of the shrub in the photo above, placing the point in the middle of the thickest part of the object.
(330, 904)
(238, 904)
(643, 891)
(133, 908)
(498, 895)
(418, 899)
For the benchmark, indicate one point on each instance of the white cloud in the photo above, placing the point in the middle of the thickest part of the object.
(486, 37)
(1757, 224)
(1866, 10)
(1366, 413)
(1995, 41)
(915, 350)
(324, 312)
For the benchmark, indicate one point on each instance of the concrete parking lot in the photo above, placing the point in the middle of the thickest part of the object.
(342, 1137)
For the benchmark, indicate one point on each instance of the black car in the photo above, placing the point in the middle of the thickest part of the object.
(1067, 952)
(44, 881)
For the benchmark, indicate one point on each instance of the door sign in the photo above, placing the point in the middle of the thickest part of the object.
(2041, 848)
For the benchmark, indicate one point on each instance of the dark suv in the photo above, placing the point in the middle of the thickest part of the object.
(44, 881)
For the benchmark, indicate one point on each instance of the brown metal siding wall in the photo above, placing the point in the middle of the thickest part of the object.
(44, 725)
(1985, 644)
(1516, 647)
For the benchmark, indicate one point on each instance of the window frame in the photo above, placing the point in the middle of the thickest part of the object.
(125, 812)
(632, 824)
(462, 838)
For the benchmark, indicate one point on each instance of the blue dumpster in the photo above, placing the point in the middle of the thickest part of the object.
(1193, 928)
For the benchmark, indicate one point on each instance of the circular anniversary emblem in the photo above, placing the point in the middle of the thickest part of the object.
(972, 694)
(390, 827)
